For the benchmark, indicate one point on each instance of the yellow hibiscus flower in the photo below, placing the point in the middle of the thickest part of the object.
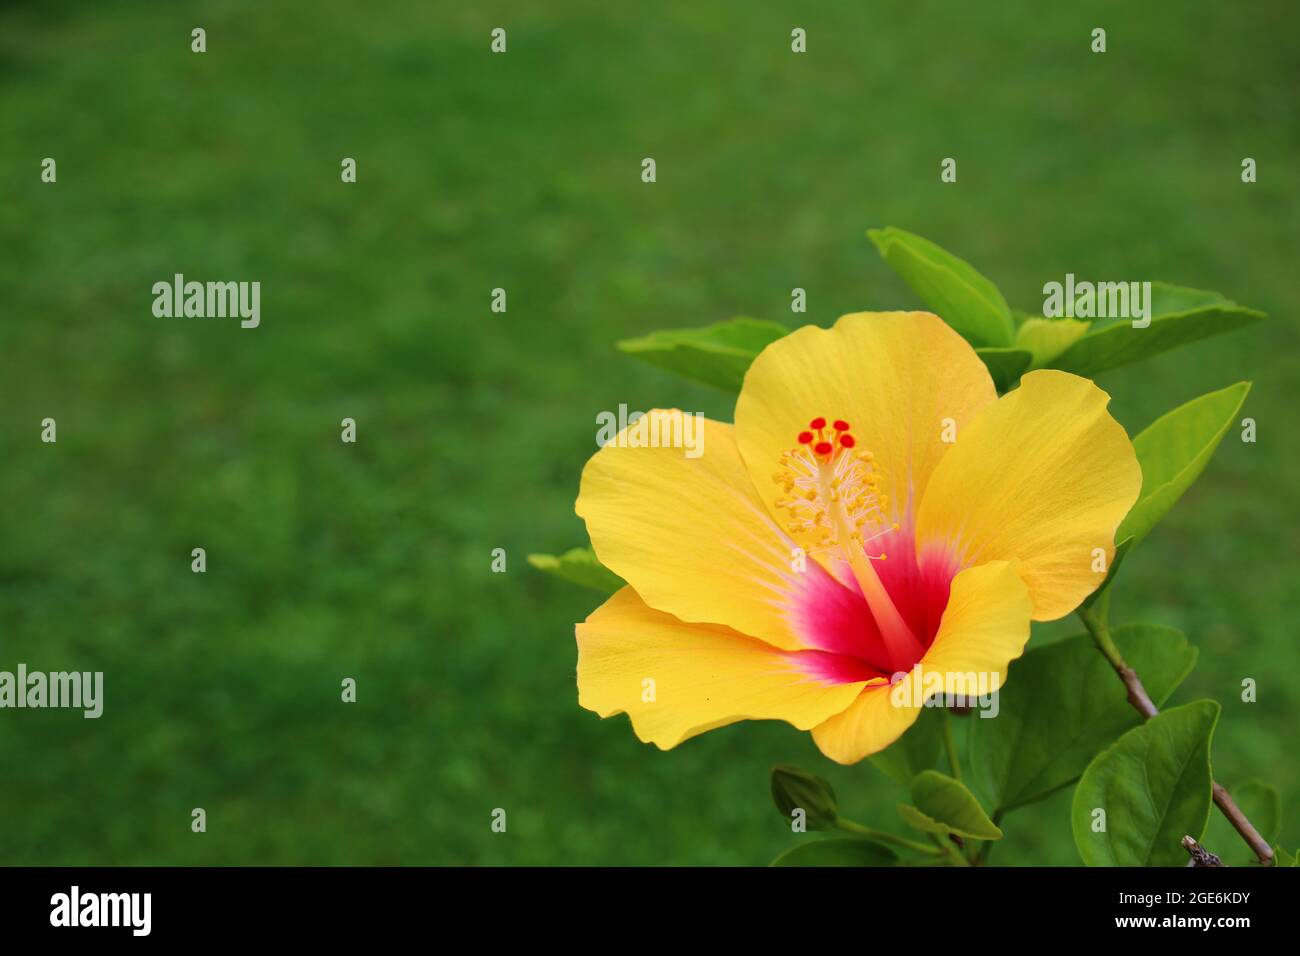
(924, 553)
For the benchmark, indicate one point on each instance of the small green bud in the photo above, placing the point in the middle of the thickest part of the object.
(806, 801)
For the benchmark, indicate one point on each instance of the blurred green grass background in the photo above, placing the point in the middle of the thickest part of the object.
(371, 560)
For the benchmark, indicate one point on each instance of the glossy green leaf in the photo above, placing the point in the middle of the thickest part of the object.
(916, 750)
(1283, 858)
(1174, 450)
(1062, 705)
(944, 806)
(794, 788)
(1045, 339)
(840, 851)
(1179, 316)
(951, 287)
(1154, 786)
(1262, 805)
(717, 354)
(578, 566)
(1005, 366)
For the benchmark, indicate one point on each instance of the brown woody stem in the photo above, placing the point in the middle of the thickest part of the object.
(1142, 703)
(1200, 856)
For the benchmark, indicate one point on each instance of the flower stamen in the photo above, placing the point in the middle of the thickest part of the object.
(833, 491)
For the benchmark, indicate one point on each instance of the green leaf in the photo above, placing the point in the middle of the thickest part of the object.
(579, 566)
(916, 750)
(944, 806)
(1062, 705)
(1179, 316)
(841, 851)
(1154, 786)
(958, 294)
(717, 354)
(1006, 366)
(1282, 857)
(1174, 450)
(794, 788)
(1045, 339)
(1262, 805)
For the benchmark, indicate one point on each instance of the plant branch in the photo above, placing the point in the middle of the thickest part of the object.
(1200, 856)
(950, 849)
(1228, 807)
(1142, 703)
(880, 836)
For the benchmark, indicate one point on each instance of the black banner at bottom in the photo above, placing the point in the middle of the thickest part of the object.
(332, 906)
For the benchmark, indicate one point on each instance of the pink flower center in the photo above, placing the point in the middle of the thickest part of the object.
(885, 611)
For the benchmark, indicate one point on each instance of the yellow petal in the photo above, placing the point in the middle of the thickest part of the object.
(1042, 477)
(691, 535)
(868, 725)
(984, 627)
(676, 680)
(895, 377)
